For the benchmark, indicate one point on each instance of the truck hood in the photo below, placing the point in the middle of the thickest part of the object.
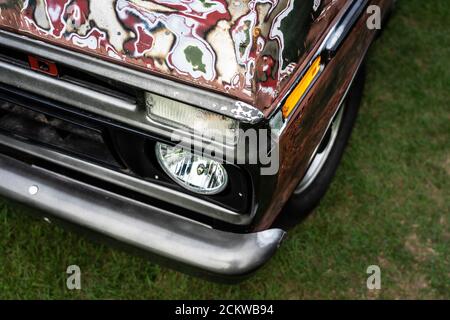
(245, 49)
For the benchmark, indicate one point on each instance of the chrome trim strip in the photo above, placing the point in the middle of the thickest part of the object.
(146, 188)
(188, 94)
(151, 230)
(346, 22)
(66, 92)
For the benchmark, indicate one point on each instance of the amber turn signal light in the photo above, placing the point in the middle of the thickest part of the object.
(301, 88)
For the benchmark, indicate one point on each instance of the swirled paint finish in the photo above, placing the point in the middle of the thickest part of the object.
(245, 49)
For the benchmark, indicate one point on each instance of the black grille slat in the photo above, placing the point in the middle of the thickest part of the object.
(55, 133)
(13, 56)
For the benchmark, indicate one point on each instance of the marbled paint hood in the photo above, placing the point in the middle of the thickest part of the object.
(245, 49)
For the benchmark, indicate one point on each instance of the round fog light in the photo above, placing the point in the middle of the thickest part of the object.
(193, 172)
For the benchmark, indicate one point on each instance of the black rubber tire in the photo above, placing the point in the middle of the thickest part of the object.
(300, 205)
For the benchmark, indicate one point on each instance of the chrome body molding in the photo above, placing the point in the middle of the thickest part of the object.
(151, 230)
(346, 21)
(143, 187)
(134, 115)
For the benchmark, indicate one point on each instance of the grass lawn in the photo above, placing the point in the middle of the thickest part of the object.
(389, 204)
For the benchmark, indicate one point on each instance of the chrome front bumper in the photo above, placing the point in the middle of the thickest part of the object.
(152, 230)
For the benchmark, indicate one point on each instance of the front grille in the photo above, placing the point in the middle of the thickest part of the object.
(100, 140)
(56, 133)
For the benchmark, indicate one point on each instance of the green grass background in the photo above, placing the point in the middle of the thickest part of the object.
(389, 204)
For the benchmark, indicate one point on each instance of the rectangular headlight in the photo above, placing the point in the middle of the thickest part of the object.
(183, 116)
